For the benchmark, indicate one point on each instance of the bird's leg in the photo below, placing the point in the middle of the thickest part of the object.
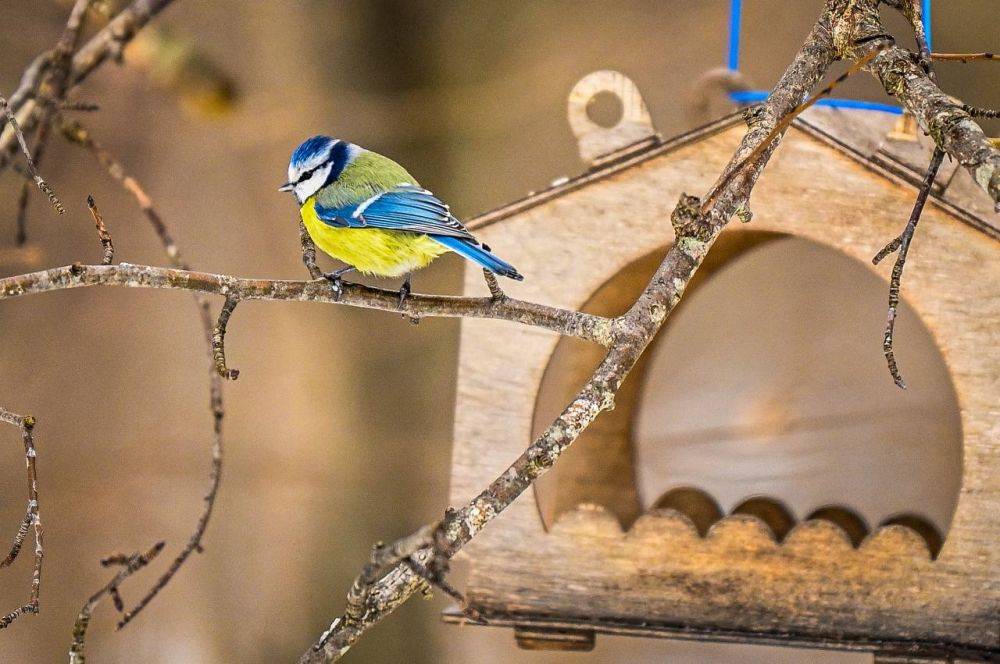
(404, 290)
(336, 280)
(491, 282)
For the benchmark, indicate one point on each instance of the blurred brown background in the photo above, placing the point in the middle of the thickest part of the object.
(338, 429)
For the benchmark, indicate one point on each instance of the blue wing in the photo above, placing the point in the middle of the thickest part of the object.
(411, 209)
(405, 207)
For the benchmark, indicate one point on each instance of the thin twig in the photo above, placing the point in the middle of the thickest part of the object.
(52, 87)
(131, 564)
(920, 32)
(194, 542)
(23, 201)
(78, 106)
(102, 232)
(309, 252)
(19, 536)
(964, 57)
(38, 179)
(491, 282)
(76, 133)
(438, 581)
(382, 561)
(32, 518)
(116, 599)
(913, 11)
(41, 143)
(28, 85)
(219, 339)
(902, 243)
(978, 112)
(26, 89)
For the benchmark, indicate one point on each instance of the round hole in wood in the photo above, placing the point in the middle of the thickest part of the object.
(605, 109)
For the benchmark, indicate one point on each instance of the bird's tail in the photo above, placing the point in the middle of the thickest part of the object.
(479, 253)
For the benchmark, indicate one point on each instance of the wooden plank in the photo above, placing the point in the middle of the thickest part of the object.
(927, 651)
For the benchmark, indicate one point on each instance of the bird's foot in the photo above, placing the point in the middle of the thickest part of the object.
(404, 291)
(336, 281)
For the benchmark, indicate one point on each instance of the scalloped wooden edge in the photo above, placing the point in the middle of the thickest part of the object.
(742, 531)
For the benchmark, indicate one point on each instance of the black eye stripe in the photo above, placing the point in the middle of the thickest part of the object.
(308, 174)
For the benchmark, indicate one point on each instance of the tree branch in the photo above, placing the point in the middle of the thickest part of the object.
(52, 92)
(965, 57)
(902, 244)
(937, 113)
(219, 339)
(131, 564)
(308, 252)
(568, 323)
(13, 126)
(102, 232)
(32, 519)
(913, 11)
(108, 42)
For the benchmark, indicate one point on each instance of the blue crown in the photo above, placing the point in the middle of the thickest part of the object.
(311, 148)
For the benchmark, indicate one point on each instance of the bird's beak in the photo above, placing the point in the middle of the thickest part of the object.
(288, 186)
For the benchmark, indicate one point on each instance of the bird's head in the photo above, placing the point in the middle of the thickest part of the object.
(317, 162)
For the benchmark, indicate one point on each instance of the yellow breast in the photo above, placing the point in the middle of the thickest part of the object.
(372, 251)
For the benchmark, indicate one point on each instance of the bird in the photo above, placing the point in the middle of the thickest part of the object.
(368, 212)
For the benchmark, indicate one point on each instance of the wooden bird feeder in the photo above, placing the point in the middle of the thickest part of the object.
(761, 479)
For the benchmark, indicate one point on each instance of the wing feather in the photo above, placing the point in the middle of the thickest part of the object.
(405, 207)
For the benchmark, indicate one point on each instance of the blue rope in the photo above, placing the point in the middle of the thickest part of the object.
(735, 16)
(753, 96)
(927, 21)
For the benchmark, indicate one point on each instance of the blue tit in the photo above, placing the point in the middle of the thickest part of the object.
(369, 212)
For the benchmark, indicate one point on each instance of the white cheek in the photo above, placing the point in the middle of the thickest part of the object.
(307, 188)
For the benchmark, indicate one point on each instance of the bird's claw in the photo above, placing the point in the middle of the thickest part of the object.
(336, 283)
(404, 292)
(336, 280)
